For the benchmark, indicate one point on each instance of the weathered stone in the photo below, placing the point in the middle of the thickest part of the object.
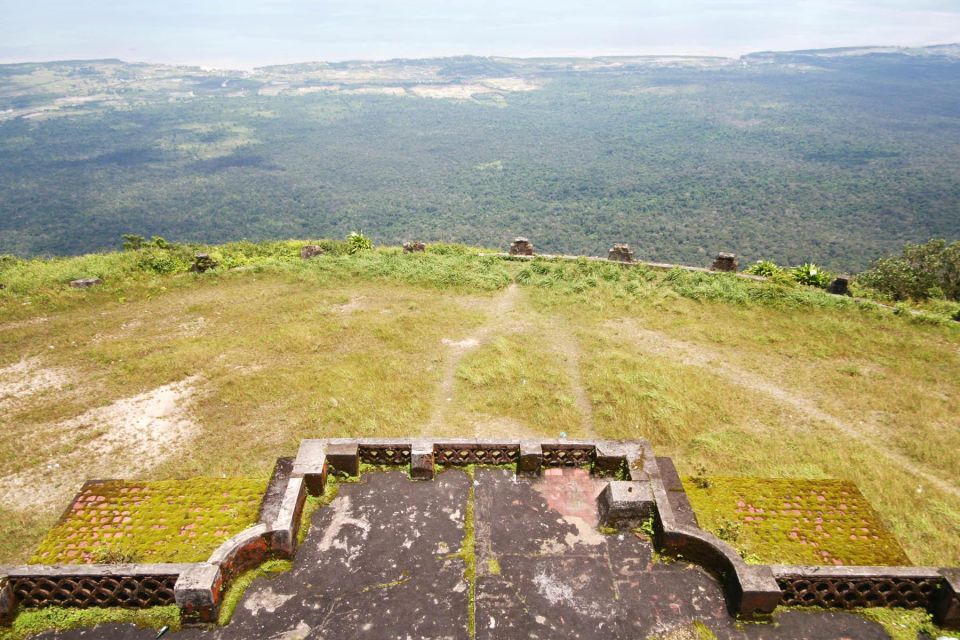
(625, 504)
(725, 262)
(202, 262)
(311, 250)
(755, 592)
(521, 247)
(840, 286)
(198, 592)
(311, 465)
(946, 609)
(344, 458)
(531, 459)
(85, 283)
(610, 460)
(620, 253)
(421, 461)
(285, 527)
(8, 603)
(276, 488)
(414, 247)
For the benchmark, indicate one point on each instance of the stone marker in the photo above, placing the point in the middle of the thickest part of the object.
(840, 286)
(620, 253)
(198, 592)
(725, 262)
(84, 283)
(202, 262)
(414, 247)
(311, 250)
(625, 504)
(421, 461)
(521, 247)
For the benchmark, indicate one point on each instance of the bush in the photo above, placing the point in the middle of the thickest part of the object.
(765, 268)
(357, 242)
(811, 275)
(922, 271)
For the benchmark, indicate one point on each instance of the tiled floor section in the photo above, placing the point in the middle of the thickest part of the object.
(382, 562)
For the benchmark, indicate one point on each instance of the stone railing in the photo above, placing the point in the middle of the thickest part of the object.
(642, 487)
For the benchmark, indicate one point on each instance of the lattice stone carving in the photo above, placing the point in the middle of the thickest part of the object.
(848, 593)
(464, 454)
(385, 454)
(567, 456)
(130, 592)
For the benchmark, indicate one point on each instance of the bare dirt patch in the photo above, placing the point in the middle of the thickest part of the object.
(131, 435)
(20, 324)
(29, 377)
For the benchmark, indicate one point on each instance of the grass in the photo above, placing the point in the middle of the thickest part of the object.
(785, 521)
(33, 621)
(160, 521)
(354, 346)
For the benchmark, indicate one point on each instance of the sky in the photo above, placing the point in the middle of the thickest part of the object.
(242, 34)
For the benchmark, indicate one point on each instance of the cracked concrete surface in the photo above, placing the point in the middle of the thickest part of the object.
(382, 561)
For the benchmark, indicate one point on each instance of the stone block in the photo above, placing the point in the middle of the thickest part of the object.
(285, 527)
(725, 262)
(625, 504)
(521, 247)
(754, 592)
(414, 247)
(840, 286)
(8, 603)
(946, 608)
(197, 593)
(344, 457)
(85, 283)
(311, 465)
(311, 250)
(421, 461)
(610, 460)
(620, 253)
(530, 460)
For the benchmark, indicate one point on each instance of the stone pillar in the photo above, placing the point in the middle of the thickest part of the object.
(840, 286)
(521, 247)
(620, 253)
(754, 592)
(421, 461)
(311, 250)
(344, 457)
(610, 460)
(197, 593)
(530, 459)
(8, 603)
(414, 247)
(311, 465)
(946, 607)
(624, 504)
(725, 262)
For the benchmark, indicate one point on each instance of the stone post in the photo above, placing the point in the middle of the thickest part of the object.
(414, 247)
(197, 593)
(8, 603)
(521, 247)
(311, 465)
(725, 262)
(311, 250)
(625, 504)
(344, 457)
(946, 609)
(421, 460)
(530, 459)
(840, 286)
(620, 253)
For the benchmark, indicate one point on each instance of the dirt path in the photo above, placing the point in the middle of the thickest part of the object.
(502, 314)
(695, 355)
(566, 346)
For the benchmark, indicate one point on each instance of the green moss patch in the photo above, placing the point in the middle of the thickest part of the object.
(161, 521)
(31, 622)
(810, 522)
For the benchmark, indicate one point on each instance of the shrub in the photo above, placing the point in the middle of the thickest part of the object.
(922, 271)
(357, 242)
(765, 268)
(811, 275)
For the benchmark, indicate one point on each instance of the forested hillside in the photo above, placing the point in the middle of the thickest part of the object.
(835, 157)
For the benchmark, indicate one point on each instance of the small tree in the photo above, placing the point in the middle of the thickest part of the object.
(132, 241)
(929, 270)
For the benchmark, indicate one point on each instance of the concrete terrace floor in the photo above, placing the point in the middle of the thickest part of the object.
(386, 560)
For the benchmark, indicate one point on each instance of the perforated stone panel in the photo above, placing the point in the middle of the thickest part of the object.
(567, 455)
(385, 454)
(464, 454)
(848, 593)
(101, 591)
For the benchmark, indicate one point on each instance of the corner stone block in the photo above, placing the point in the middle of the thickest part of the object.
(610, 459)
(530, 459)
(197, 593)
(311, 465)
(8, 603)
(946, 609)
(625, 504)
(757, 593)
(421, 461)
(345, 458)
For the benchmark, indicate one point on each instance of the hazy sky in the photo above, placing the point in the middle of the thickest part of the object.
(247, 33)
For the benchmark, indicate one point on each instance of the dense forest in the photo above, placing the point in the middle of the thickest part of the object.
(798, 157)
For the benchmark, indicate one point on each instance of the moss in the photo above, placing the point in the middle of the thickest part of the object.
(161, 521)
(794, 521)
(905, 624)
(608, 531)
(468, 553)
(34, 621)
(493, 566)
(239, 586)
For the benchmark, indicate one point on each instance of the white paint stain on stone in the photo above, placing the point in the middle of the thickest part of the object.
(300, 632)
(342, 517)
(265, 600)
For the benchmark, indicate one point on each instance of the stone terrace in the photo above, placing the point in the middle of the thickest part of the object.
(387, 558)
